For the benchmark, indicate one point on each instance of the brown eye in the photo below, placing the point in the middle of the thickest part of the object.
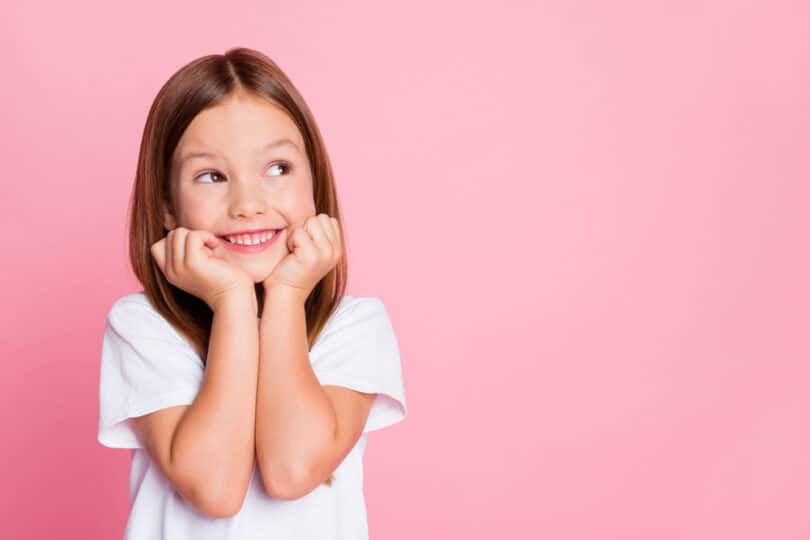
(214, 173)
(282, 164)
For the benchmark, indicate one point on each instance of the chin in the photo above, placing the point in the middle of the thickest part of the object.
(258, 270)
(258, 275)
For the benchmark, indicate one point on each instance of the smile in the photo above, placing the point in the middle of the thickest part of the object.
(251, 243)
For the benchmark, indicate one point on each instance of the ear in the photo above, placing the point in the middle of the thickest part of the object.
(168, 219)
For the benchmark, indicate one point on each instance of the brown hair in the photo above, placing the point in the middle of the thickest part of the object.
(200, 84)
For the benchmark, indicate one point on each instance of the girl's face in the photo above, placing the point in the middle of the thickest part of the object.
(241, 166)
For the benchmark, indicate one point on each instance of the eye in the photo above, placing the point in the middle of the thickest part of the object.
(283, 164)
(214, 173)
(278, 164)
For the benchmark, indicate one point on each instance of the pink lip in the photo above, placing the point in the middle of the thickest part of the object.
(254, 248)
(250, 231)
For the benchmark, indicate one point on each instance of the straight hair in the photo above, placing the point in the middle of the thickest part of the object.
(200, 84)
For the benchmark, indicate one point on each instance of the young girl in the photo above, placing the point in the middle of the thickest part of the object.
(242, 377)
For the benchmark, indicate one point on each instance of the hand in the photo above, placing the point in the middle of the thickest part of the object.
(315, 248)
(187, 260)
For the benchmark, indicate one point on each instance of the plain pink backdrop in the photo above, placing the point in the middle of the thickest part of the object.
(588, 222)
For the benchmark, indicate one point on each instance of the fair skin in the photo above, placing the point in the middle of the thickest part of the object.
(300, 431)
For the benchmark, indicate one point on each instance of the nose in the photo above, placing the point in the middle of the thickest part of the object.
(246, 199)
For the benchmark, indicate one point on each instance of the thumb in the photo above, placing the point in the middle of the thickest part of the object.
(158, 250)
(291, 243)
(210, 242)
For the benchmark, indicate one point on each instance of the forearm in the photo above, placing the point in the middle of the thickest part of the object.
(215, 440)
(294, 417)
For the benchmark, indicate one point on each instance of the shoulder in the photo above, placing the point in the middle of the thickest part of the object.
(134, 315)
(353, 308)
(131, 306)
(357, 315)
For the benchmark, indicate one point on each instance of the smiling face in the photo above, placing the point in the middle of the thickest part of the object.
(254, 175)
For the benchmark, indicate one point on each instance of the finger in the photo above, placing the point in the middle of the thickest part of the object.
(197, 246)
(290, 240)
(191, 248)
(328, 228)
(338, 234)
(333, 222)
(300, 243)
(158, 250)
(210, 241)
(295, 238)
(320, 238)
(179, 247)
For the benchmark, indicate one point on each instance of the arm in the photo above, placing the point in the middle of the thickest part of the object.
(303, 430)
(206, 449)
(295, 421)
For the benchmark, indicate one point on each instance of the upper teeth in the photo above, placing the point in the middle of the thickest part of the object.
(250, 239)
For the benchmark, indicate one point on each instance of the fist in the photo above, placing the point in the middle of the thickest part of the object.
(314, 249)
(187, 259)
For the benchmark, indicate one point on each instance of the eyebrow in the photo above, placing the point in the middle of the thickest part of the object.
(268, 146)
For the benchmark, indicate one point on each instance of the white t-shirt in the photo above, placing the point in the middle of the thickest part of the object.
(147, 365)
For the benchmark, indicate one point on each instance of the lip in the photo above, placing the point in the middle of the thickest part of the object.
(249, 231)
(256, 248)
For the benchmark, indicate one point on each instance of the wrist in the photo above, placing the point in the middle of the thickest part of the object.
(284, 293)
(236, 298)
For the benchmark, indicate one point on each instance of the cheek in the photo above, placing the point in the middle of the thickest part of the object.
(297, 203)
(305, 201)
(195, 212)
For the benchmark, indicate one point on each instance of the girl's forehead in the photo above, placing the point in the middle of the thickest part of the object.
(252, 114)
(256, 127)
(191, 152)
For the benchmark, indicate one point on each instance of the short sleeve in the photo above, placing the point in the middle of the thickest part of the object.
(145, 366)
(358, 349)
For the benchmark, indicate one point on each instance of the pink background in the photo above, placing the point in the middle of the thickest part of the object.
(588, 222)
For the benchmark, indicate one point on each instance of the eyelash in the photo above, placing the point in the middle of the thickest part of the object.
(285, 164)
